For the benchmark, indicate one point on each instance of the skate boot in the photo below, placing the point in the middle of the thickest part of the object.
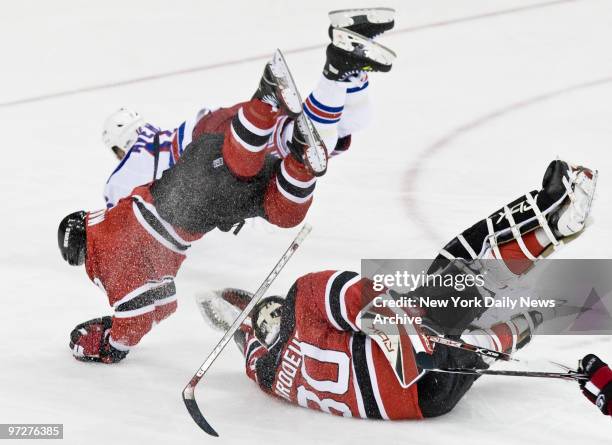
(351, 53)
(277, 87)
(307, 146)
(579, 184)
(369, 22)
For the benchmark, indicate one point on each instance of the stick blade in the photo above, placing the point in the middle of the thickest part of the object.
(197, 416)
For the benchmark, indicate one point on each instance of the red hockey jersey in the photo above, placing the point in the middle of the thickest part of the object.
(322, 360)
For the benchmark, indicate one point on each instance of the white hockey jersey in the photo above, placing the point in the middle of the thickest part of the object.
(137, 166)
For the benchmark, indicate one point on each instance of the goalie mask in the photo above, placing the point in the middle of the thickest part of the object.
(266, 320)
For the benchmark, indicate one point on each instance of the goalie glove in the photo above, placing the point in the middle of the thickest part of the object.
(598, 389)
(89, 342)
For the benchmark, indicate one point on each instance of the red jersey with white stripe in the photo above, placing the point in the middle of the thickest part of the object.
(322, 361)
(134, 251)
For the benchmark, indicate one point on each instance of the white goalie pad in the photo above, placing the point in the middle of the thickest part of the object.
(581, 187)
(565, 217)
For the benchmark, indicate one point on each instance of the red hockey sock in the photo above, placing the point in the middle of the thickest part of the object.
(289, 194)
(247, 137)
(503, 337)
(515, 258)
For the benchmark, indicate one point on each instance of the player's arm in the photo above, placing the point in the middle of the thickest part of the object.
(336, 297)
(252, 350)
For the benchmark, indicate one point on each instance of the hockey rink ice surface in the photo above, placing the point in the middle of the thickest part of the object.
(482, 97)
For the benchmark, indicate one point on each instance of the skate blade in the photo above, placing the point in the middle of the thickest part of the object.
(315, 155)
(351, 41)
(343, 18)
(288, 89)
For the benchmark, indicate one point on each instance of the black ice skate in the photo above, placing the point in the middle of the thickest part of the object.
(350, 53)
(277, 87)
(307, 146)
(369, 22)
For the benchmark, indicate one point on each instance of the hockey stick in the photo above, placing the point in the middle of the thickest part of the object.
(188, 392)
(472, 348)
(569, 375)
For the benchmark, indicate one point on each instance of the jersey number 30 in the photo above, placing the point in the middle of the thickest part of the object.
(339, 386)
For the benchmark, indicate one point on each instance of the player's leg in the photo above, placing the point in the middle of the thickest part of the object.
(289, 194)
(339, 105)
(247, 137)
(509, 241)
(338, 109)
(440, 392)
(522, 230)
(368, 22)
(517, 234)
(252, 126)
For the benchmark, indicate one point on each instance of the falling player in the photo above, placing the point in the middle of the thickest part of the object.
(224, 176)
(313, 348)
(337, 107)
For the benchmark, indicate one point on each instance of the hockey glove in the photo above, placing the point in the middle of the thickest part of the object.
(598, 389)
(89, 342)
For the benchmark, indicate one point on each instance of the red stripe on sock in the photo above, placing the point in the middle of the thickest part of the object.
(504, 335)
(514, 257)
(325, 114)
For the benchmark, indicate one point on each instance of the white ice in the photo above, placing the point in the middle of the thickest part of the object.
(467, 120)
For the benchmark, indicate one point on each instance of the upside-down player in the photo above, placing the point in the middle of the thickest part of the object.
(312, 349)
(338, 107)
(134, 249)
